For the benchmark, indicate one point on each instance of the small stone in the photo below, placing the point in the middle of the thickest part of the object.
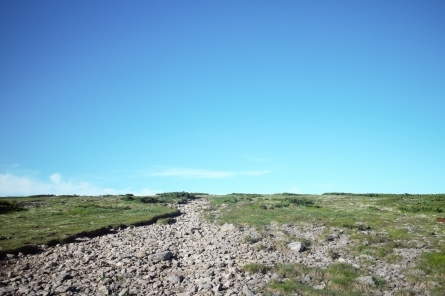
(63, 289)
(103, 290)
(367, 257)
(366, 280)
(64, 276)
(24, 290)
(247, 292)
(320, 286)
(228, 227)
(362, 226)
(204, 286)
(217, 288)
(140, 254)
(175, 278)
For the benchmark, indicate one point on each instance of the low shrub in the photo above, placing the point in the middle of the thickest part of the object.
(148, 199)
(251, 240)
(175, 197)
(128, 197)
(255, 268)
(166, 221)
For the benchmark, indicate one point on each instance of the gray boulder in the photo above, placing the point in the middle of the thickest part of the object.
(297, 246)
(160, 256)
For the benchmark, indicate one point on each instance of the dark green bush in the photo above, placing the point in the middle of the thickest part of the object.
(149, 199)
(9, 206)
(128, 197)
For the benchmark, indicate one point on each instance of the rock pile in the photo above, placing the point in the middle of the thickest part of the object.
(189, 257)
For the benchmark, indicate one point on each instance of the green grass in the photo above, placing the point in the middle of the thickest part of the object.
(289, 286)
(435, 262)
(342, 275)
(48, 220)
(290, 270)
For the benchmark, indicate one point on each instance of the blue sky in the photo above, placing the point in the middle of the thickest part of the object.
(142, 97)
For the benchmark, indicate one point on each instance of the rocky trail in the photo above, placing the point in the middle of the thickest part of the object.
(189, 257)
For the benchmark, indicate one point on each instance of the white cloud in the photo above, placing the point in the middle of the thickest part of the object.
(16, 185)
(205, 174)
(293, 189)
(145, 191)
(11, 184)
(56, 178)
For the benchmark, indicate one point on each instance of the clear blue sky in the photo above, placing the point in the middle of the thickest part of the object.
(142, 97)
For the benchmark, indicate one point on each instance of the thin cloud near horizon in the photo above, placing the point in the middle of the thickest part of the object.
(22, 185)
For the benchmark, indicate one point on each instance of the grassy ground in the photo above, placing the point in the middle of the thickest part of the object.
(49, 220)
(376, 224)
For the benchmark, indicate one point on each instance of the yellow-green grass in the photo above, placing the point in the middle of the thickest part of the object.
(386, 216)
(50, 220)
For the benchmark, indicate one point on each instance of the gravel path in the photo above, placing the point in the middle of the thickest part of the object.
(189, 257)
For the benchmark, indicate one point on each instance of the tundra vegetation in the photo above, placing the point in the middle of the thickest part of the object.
(377, 225)
(27, 222)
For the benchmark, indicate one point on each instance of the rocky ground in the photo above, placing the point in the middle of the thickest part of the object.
(189, 257)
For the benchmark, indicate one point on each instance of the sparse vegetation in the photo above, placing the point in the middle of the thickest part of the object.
(175, 197)
(251, 240)
(166, 221)
(377, 224)
(341, 275)
(255, 268)
(293, 279)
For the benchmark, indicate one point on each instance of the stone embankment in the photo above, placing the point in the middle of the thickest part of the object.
(189, 257)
